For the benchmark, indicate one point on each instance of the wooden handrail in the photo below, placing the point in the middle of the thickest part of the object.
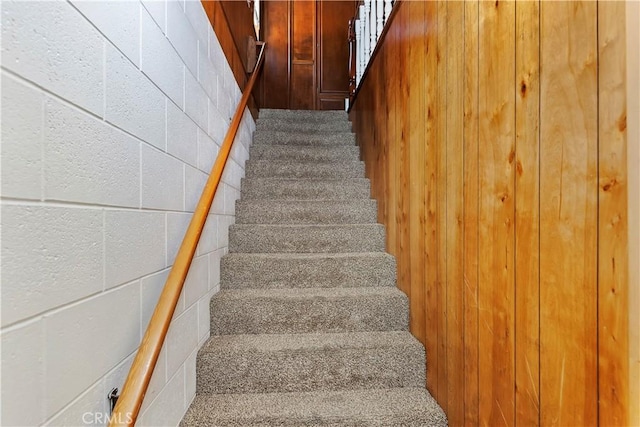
(128, 406)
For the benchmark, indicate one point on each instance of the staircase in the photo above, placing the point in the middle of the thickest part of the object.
(309, 328)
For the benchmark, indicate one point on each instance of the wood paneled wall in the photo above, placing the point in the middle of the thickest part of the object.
(231, 25)
(232, 22)
(240, 19)
(494, 135)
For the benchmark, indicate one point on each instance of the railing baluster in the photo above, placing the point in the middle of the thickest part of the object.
(352, 58)
(358, 50)
(373, 22)
(380, 18)
(387, 10)
(362, 43)
(368, 25)
(367, 31)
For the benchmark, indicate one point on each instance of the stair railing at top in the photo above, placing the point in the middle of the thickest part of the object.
(365, 30)
(128, 405)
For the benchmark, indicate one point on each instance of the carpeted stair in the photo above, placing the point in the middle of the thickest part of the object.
(309, 328)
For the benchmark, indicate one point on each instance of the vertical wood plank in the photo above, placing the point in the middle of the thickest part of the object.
(416, 151)
(470, 263)
(568, 213)
(373, 141)
(276, 76)
(632, 18)
(454, 210)
(403, 251)
(527, 87)
(441, 217)
(393, 52)
(431, 226)
(381, 134)
(613, 315)
(496, 234)
(302, 83)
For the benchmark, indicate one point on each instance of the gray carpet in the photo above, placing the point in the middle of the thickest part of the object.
(309, 328)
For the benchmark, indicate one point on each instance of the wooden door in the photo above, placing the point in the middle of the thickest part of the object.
(306, 64)
(303, 56)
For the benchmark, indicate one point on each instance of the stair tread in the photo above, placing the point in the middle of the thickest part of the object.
(298, 137)
(309, 341)
(308, 310)
(306, 256)
(295, 238)
(269, 113)
(312, 202)
(310, 180)
(308, 293)
(298, 132)
(407, 406)
(304, 169)
(299, 121)
(308, 226)
(266, 211)
(340, 162)
(310, 189)
(307, 270)
(320, 163)
(327, 126)
(305, 189)
(310, 362)
(350, 149)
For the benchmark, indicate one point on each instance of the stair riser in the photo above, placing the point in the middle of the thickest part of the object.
(228, 371)
(261, 189)
(288, 125)
(279, 315)
(312, 421)
(240, 272)
(325, 212)
(293, 169)
(407, 407)
(304, 139)
(306, 239)
(302, 153)
(306, 115)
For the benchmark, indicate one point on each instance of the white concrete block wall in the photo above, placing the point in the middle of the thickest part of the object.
(112, 114)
